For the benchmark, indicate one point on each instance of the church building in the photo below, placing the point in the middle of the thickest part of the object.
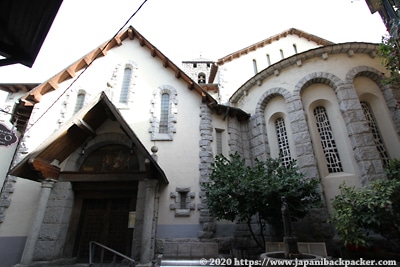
(114, 148)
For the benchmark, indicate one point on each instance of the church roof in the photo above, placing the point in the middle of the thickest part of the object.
(26, 103)
(254, 47)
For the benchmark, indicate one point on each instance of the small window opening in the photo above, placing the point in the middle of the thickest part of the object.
(183, 196)
(282, 55)
(201, 78)
(255, 66)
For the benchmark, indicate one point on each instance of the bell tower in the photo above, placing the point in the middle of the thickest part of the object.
(203, 71)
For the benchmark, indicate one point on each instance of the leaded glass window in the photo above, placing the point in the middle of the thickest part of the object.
(283, 141)
(375, 132)
(80, 99)
(123, 97)
(163, 128)
(327, 140)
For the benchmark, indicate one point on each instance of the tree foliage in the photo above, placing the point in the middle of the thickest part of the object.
(358, 212)
(237, 191)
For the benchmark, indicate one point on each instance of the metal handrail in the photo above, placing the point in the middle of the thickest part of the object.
(91, 254)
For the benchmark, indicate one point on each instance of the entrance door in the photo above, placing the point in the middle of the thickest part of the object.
(104, 221)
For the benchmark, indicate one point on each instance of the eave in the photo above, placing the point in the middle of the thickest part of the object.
(254, 47)
(73, 135)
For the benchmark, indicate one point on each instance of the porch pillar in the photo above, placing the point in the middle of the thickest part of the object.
(30, 243)
(148, 238)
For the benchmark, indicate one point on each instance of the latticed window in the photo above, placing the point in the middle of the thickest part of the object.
(327, 140)
(218, 137)
(163, 128)
(123, 97)
(80, 99)
(375, 132)
(283, 141)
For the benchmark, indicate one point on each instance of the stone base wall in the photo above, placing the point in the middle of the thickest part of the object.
(55, 224)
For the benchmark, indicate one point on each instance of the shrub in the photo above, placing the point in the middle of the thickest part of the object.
(237, 191)
(358, 212)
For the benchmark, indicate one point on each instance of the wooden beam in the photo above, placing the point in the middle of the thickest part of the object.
(102, 177)
(45, 169)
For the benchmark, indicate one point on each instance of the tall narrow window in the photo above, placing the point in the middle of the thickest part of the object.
(218, 137)
(123, 97)
(163, 128)
(283, 141)
(282, 55)
(327, 140)
(80, 99)
(183, 202)
(375, 132)
(268, 60)
(295, 48)
(255, 66)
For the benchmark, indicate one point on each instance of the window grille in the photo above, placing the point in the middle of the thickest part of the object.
(218, 137)
(123, 97)
(283, 141)
(327, 140)
(375, 132)
(163, 128)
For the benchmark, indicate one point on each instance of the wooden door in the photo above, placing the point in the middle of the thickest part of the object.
(104, 221)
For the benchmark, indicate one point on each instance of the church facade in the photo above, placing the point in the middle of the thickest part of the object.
(115, 147)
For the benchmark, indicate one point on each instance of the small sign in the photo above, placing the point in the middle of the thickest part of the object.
(7, 136)
(132, 219)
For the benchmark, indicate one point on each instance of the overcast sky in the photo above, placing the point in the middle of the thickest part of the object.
(186, 29)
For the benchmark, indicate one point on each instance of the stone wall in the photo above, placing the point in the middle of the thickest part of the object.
(53, 231)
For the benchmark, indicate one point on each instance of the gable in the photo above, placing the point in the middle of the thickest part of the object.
(72, 135)
(291, 32)
(26, 103)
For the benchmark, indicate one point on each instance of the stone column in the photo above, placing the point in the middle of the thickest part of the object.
(147, 243)
(30, 243)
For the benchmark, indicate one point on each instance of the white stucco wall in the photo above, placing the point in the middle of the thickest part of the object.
(234, 73)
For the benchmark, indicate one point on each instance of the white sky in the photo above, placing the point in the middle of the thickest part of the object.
(184, 29)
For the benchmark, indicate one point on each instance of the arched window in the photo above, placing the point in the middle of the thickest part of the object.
(375, 132)
(111, 158)
(255, 66)
(80, 100)
(123, 97)
(283, 141)
(327, 140)
(268, 60)
(295, 48)
(164, 114)
(201, 78)
(282, 55)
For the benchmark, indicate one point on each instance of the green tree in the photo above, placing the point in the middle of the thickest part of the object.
(240, 192)
(358, 212)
